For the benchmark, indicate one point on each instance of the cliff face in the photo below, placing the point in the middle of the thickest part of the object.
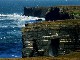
(35, 11)
(53, 13)
(50, 38)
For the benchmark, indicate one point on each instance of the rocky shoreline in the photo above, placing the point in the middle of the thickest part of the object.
(51, 37)
(41, 11)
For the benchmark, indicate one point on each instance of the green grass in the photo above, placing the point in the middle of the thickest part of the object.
(71, 55)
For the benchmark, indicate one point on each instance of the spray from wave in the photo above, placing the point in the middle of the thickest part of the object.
(17, 19)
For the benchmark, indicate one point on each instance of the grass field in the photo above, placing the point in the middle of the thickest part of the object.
(71, 56)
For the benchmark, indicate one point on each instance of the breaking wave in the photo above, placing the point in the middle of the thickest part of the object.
(18, 17)
(17, 20)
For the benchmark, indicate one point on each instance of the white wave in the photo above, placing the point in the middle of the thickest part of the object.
(18, 17)
(19, 20)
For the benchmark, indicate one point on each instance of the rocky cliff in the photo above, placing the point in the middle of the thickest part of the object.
(50, 38)
(65, 12)
(35, 11)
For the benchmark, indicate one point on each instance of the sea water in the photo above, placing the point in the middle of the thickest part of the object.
(11, 34)
(11, 23)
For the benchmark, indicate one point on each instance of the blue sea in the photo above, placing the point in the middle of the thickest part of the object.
(12, 21)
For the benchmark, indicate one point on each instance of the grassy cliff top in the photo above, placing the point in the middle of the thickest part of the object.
(58, 22)
(71, 56)
(52, 24)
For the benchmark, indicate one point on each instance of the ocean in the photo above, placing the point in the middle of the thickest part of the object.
(12, 21)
